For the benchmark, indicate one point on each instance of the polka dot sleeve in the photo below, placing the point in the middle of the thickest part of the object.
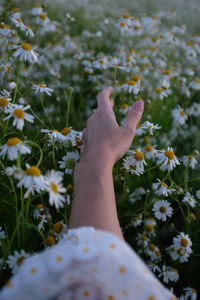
(88, 264)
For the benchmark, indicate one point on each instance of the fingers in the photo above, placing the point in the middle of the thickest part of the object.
(134, 115)
(103, 98)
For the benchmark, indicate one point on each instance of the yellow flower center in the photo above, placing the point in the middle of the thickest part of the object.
(19, 20)
(3, 102)
(26, 46)
(42, 16)
(162, 209)
(191, 216)
(197, 80)
(131, 82)
(123, 106)
(149, 148)
(8, 69)
(194, 291)
(189, 43)
(101, 61)
(182, 113)
(33, 270)
(170, 154)
(15, 9)
(54, 187)
(154, 17)
(126, 16)
(19, 113)
(86, 293)
(33, 171)
(137, 27)
(174, 270)
(42, 85)
(50, 241)
(39, 206)
(66, 130)
(166, 72)
(54, 130)
(136, 77)
(122, 270)
(13, 141)
(138, 155)
(122, 24)
(158, 90)
(184, 242)
(70, 188)
(57, 227)
(164, 184)
(149, 227)
(152, 247)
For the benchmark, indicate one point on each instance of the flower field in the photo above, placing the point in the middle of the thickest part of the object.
(53, 62)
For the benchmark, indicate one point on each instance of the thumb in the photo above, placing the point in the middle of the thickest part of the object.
(134, 115)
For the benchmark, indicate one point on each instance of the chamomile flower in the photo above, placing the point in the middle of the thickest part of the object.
(69, 161)
(169, 274)
(13, 147)
(4, 103)
(161, 188)
(179, 115)
(32, 180)
(149, 126)
(162, 210)
(25, 52)
(188, 198)
(5, 30)
(36, 9)
(195, 84)
(28, 31)
(150, 151)
(135, 163)
(167, 159)
(14, 261)
(101, 63)
(18, 112)
(131, 86)
(55, 188)
(190, 293)
(190, 161)
(42, 88)
(160, 93)
(181, 247)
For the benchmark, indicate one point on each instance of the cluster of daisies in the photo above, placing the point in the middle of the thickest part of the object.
(46, 67)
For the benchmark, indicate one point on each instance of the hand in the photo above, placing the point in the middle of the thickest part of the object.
(104, 140)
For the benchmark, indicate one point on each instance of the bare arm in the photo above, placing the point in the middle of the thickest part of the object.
(105, 143)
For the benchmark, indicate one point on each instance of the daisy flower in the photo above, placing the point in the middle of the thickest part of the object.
(123, 108)
(14, 261)
(124, 28)
(189, 161)
(162, 210)
(26, 53)
(150, 151)
(188, 198)
(55, 188)
(190, 293)
(131, 86)
(4, 103)
(13, 147)
(20, 115)
(169, 274)
(179, 115)
(101, 64)
(162, 189)
(28, 31)
(33, 180)
(135, 164)
(150, 127)
(5, 29)
(167, 159)
(181, 248)
(160, 93)
(69, 161)
(195, 84)
(42, 88)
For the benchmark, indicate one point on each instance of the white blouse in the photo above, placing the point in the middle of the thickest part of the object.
(87, 264)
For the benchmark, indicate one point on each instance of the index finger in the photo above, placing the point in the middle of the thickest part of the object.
(103, 98)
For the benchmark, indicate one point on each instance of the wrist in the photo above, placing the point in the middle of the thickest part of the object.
(92, 165)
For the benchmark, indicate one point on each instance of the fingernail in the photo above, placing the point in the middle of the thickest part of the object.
(139, 105)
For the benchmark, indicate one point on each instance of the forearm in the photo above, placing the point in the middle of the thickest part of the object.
(94, 199)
